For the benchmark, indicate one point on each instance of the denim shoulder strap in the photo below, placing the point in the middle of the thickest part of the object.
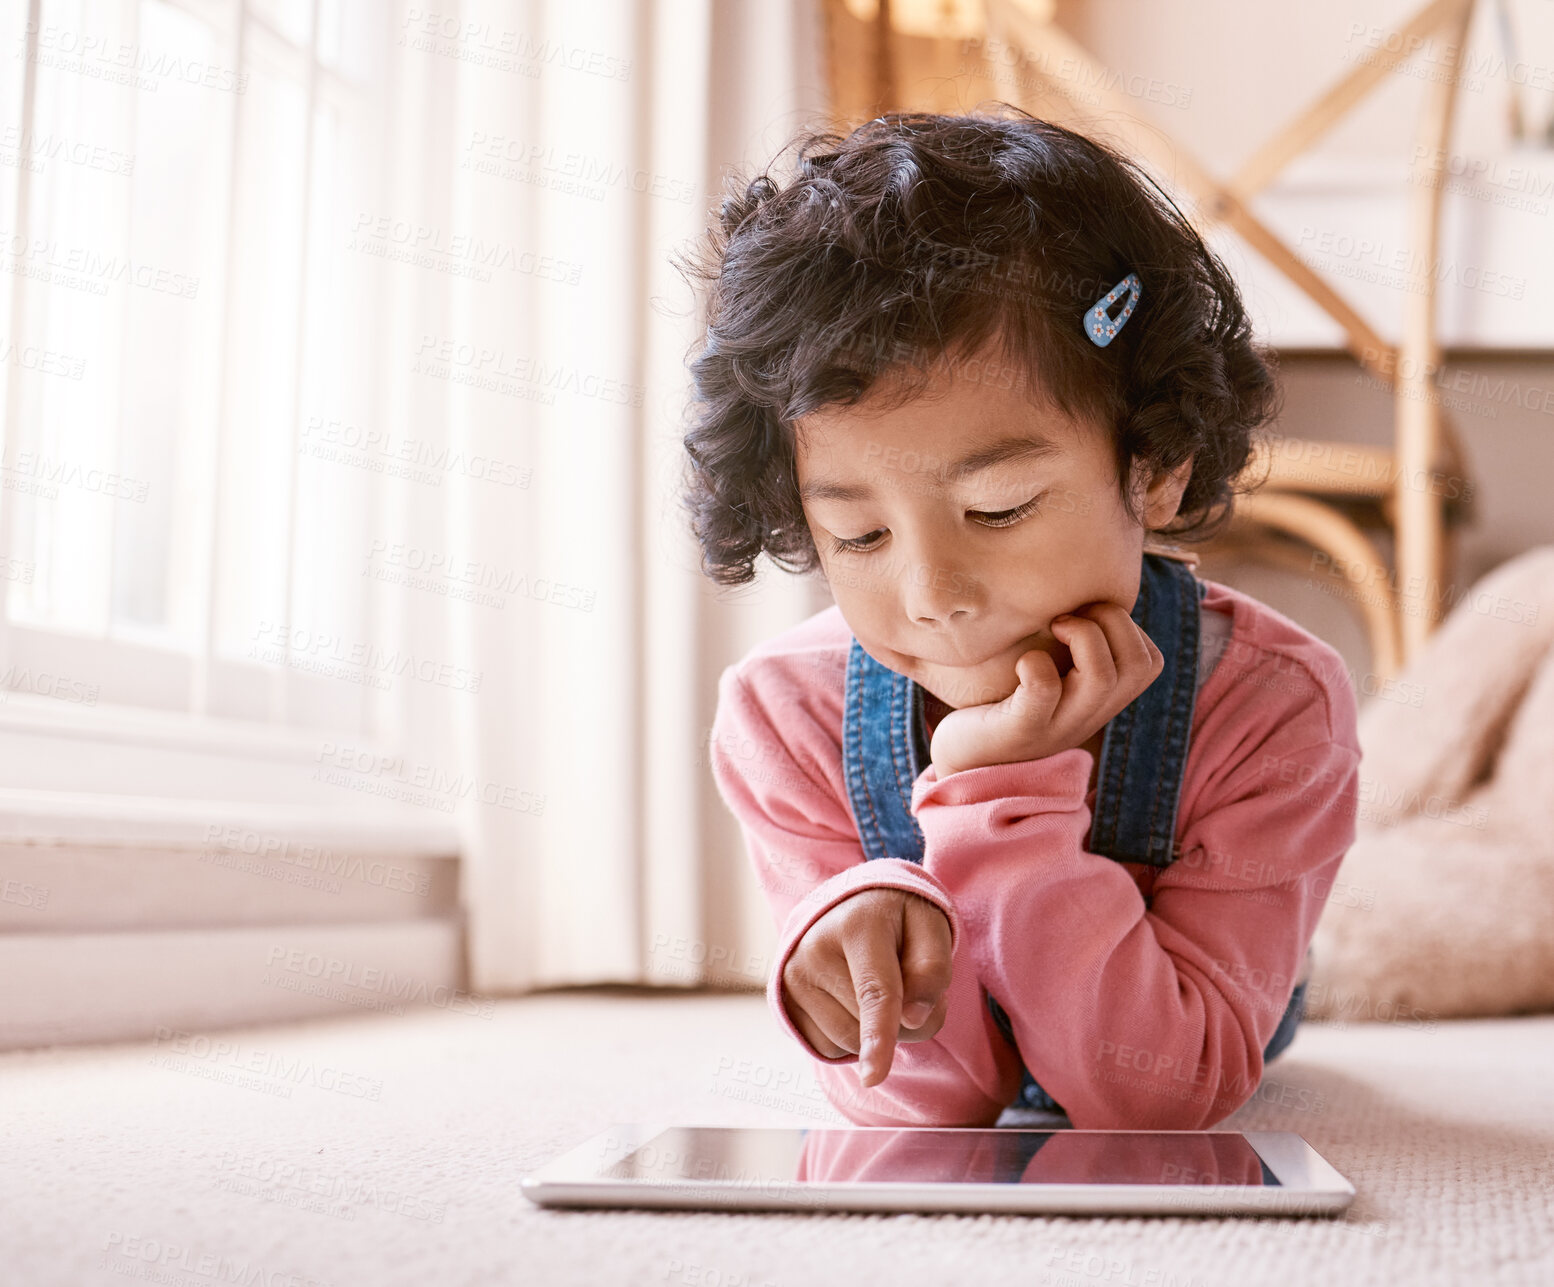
(1144, 748)
(884, 749)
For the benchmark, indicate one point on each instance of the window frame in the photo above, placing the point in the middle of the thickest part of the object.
(151, 693)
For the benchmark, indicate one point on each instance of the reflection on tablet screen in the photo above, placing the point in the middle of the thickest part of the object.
(998, 1156)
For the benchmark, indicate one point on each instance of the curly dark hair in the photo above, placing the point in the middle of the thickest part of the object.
(918, 235)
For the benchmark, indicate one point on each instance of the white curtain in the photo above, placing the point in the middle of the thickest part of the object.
(570, 156)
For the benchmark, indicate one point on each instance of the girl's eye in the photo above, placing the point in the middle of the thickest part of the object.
(840, 545)
(1007, 517)
(1003, 518)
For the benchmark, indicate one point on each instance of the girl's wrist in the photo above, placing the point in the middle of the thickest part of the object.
(944, 768)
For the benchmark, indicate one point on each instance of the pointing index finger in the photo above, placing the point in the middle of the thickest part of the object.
(876, 974)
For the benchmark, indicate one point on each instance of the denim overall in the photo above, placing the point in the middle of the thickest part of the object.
(1143, 756)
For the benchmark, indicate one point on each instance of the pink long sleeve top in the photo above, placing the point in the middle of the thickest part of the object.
(1141, 997)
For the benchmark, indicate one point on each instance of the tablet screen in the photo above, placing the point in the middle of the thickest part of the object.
(997, 1156)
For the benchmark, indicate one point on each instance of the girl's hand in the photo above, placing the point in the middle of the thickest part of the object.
(852, 982)
(1114, 661)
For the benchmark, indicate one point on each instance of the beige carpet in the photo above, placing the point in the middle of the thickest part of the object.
(378, 1150)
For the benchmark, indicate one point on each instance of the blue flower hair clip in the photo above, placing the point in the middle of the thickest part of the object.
(1100, 326)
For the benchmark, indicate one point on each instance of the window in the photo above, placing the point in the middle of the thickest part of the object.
(183, 322)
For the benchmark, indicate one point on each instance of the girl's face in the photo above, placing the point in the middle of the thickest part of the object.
(972, 518)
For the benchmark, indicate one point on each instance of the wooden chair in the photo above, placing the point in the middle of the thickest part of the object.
(888, 55)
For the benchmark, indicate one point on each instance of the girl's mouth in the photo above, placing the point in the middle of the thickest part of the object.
(1041, 639)
(1013, 651)
(956, 678)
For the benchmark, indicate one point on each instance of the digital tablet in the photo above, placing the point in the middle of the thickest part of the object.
(887, 1168)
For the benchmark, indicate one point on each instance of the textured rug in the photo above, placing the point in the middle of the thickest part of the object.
(387, 1150)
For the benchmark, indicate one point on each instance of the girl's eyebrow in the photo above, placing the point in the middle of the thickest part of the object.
(1016, 447)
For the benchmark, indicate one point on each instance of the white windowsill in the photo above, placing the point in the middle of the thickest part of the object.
(29, 713)
(118, 775)
(65, 817)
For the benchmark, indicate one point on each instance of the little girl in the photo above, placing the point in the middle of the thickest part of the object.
(1044, 818)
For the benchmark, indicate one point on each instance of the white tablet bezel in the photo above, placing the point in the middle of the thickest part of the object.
(1308, 1184)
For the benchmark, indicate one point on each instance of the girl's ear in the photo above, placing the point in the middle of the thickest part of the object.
(1164, 496)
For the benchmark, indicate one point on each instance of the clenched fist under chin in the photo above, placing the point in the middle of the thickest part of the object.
(1113, 662)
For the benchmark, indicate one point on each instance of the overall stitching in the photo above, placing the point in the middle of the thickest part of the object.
(1114, 805)
(914, 703)
(1179, 726)
(900, 712)
(894, 689)
(1152, 830)
(899, 705)
(1154, 842)
(1110, 785)
(856, 753)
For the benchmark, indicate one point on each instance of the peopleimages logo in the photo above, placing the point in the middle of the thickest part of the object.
(223, 1059)
(399, 988)
(231, 842)
(470, 580)
(283, 643)
(121, 62)
(96, 269)
(50, 474)
(133, 1255)
(419, 458)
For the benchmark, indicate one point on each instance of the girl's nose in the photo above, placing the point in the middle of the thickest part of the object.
(936, 594)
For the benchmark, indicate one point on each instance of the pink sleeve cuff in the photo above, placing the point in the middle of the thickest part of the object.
(1061, 779)
(878, 873)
